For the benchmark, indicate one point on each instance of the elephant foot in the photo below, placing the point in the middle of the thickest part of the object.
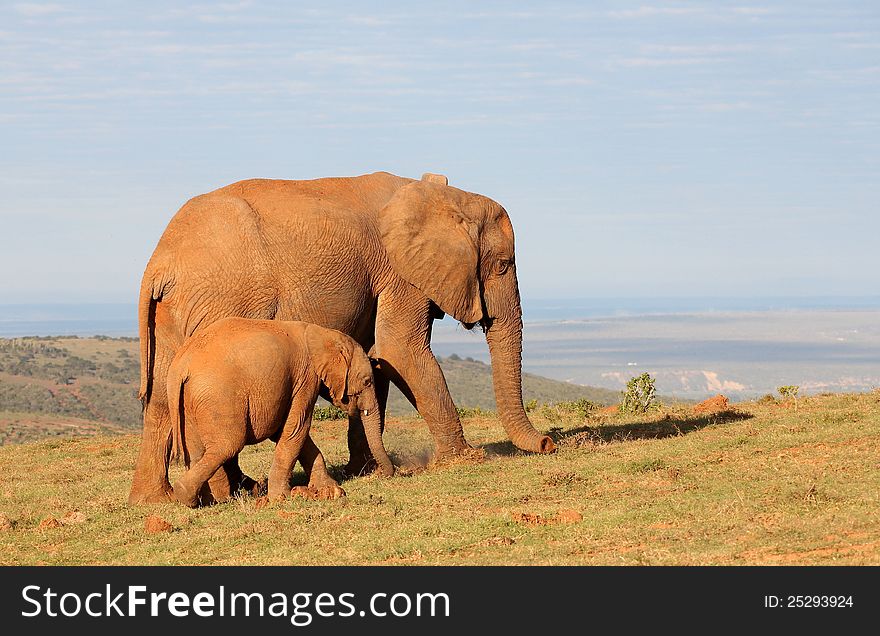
(252, 487)
(325, 487)
(330, 492)
(186, 496)
(303, 491)
(158, 496)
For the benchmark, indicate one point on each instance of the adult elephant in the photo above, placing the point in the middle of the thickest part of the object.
(377, 257)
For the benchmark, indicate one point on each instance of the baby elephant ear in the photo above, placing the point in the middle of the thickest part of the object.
(330, 360)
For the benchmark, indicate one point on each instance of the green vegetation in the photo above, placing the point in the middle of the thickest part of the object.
(93, 380)
(564, 410)
(789, 392)
(464, 412)
(760, 484)
(331, 412)
(640, 395)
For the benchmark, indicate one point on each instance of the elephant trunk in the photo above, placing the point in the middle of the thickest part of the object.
(504, 337)
(373, 429)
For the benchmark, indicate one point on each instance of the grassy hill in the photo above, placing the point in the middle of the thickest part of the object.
(762, 483)
(470, 383)
(81, 386)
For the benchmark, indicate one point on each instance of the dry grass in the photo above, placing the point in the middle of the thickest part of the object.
(760, 485)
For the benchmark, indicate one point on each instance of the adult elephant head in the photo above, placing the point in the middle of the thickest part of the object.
(457, 248)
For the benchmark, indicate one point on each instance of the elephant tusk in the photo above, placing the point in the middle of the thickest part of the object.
(366, 412)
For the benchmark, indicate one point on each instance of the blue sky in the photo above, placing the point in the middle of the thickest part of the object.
(641, 149)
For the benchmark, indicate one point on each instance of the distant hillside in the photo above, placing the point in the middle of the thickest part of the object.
(67, 386)
(470, 382)
(79, 386)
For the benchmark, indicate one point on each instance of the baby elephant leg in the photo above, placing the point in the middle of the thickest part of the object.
(287, 449)
(227, 481)
(187, 488)
(320, 481)
(208, 451)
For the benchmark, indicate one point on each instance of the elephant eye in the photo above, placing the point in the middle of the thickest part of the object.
(501, 267)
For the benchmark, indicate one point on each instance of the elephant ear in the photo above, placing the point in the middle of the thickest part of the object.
(433, 244)
(331, 359)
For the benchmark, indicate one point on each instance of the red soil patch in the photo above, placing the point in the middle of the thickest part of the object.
(5, 522)
(48, 523)
(712, 405)
(569, 516)
(155, 524)
(610, 410)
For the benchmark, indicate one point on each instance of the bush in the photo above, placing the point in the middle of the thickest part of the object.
(562, 410)
(640, 395)
(322, 413)
(789, 392)
(464, 411)
(582, 406)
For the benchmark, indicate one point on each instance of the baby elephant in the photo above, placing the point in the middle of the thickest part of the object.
(242, 381)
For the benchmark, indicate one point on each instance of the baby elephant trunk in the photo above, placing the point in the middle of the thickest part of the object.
(373, 429)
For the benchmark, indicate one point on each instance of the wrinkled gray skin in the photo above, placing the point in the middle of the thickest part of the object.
(377, 257)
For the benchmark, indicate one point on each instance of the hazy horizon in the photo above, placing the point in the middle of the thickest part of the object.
(743, 349)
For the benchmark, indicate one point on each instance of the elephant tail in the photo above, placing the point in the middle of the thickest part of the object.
(177, 377)
(152, 290)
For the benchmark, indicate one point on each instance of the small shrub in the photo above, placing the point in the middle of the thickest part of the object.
(582, 406)
(476, 411)
(330, 412)
(561, 410)
(531, 405)
(640, 395)
(789, 392)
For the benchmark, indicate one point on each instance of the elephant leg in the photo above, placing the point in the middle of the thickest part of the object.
(191, 483)
(238, 480)
(217, 488)
(320, 481)
(361, 460)
(228, 480)
(403, 349)
(287, 450)
(150, 483)
(195, 450)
